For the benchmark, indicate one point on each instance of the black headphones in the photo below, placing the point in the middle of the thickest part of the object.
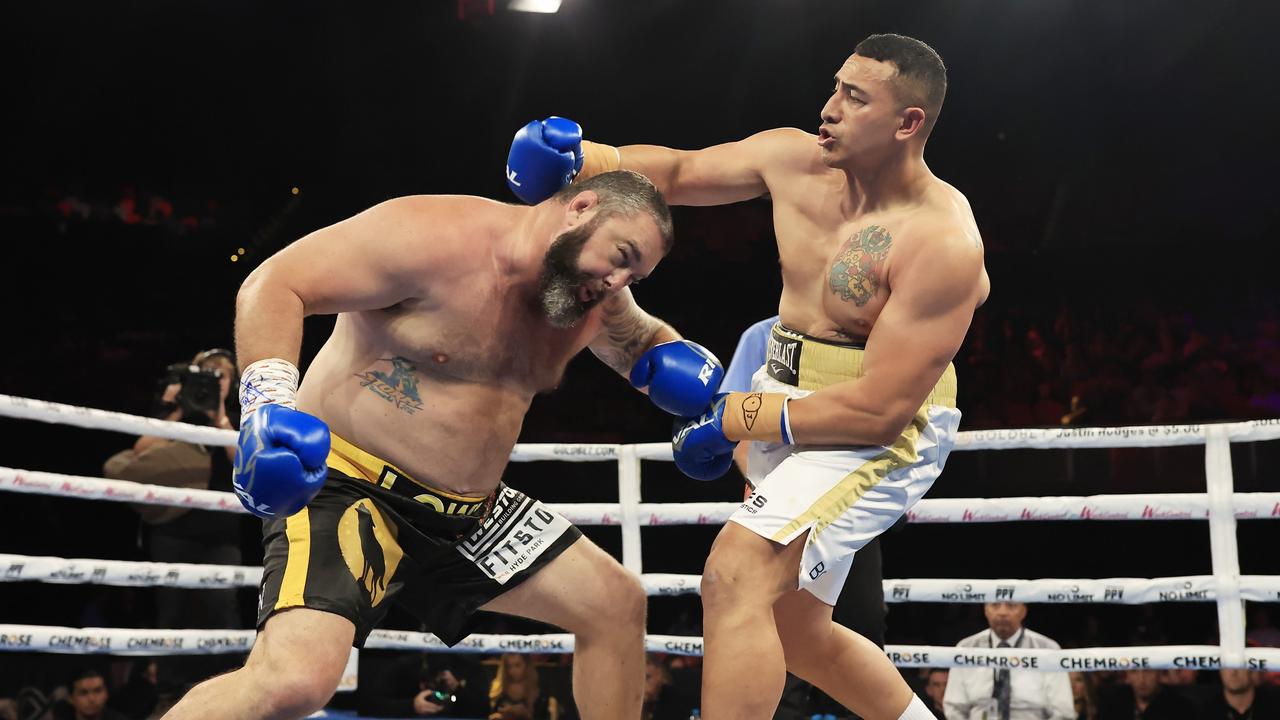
(205, 355)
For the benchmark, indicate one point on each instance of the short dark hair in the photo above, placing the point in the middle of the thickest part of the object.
(625, 192)
(83, 674)
(921, 80)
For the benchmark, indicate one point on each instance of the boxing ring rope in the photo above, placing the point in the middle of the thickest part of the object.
(129, 642)
(1118, 591)
(1221, 506)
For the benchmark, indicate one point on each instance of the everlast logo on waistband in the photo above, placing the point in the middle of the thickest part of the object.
(782, 359)
(442, 503)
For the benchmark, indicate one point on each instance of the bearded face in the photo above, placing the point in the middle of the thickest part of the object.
(561, 281)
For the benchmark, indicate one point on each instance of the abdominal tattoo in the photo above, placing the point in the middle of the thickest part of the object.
(857, 270)
(398, 387)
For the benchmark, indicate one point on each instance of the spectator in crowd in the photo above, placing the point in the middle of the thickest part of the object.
(408, 685)
(860, 606)
(139, 696)
(1179, 677)
(1087, 367)
(87, 699)
(196, 393)
(935, 689)
(1243, 697)
(1001, 693)
(1262, 630)
(1142, 697)
(662, 700)
(515, 694)
(1084, 694)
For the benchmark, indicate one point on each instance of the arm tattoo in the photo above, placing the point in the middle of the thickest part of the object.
(858, 269)
(629, 331)
(398, 387)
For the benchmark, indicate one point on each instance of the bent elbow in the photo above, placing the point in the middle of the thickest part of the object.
(890, 428)
(249, 287)
(887, 437)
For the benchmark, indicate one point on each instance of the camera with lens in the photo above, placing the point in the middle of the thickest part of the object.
(198, 395)
(442, 697)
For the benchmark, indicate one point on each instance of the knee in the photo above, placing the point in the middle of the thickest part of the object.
(295, 688)
(724, 582)
(626, 603)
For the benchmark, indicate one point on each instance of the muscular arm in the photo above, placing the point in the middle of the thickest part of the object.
(720, 174)
(932, 298)
(628, 331)
(372, 260)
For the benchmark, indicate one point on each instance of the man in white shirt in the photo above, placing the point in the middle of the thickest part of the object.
(1003, 694)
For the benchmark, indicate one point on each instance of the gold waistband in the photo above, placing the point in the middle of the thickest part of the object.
(809, 364)
(362, 465)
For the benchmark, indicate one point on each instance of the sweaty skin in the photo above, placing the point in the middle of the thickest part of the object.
(848, 244)
(439, 344)
(875, 249)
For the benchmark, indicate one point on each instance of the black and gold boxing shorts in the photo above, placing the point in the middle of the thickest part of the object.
(374, 535)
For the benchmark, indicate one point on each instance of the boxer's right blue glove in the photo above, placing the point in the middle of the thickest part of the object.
(700, 448)
(280, 460)
(682, 376)
(545, 156)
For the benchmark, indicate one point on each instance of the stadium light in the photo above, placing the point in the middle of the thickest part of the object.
(535, 6)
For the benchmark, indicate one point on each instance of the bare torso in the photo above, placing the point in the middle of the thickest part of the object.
(836, 262)
(439, 384)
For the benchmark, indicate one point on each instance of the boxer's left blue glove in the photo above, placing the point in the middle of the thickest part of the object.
(545, 156)
(280, 460)
(700, 448)
(682, 376)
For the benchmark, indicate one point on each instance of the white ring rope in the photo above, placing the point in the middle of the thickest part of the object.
(1163, 506)
(1052, 438)
(1123, 591)
(1220, 506)
(119, 641)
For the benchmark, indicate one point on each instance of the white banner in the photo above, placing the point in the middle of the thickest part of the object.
(1050, 438)
(1113, 437)
(1163, 506)
(123, 573)
(1196, 657)
(1123, 591)
(1187, 506)
(86, 488)
(1126, 591)
(1120, 591)
(117, 641)
(122, 641)
(59, 414)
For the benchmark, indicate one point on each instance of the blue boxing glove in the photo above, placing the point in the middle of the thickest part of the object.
(682, 376)
(545, 156)
(701, 450)
(280, 460)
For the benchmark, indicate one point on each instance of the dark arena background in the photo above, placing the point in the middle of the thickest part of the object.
(1119, 158)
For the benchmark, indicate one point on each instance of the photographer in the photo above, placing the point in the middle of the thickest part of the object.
(195, 393)
(400, 685)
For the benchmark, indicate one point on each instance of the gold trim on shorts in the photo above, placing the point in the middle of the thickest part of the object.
(846, 493)
(809, 364)
(297, 529)
(362, 465)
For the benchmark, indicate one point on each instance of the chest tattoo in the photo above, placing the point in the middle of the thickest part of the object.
(398, 387)
(857, 271)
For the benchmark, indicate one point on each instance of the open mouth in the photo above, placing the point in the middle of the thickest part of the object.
(585, 295)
